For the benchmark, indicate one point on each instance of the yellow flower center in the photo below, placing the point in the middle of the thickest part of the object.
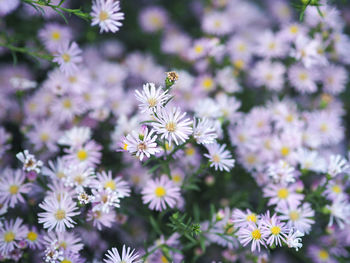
(251, 159)
(60, 175)
(283, 193)
(275, 230)
(294, 29)
(242, 47)
(67, 104)
(324, 127)
(79, 179)
(72, 79)
(163, 259)
(82, 155)
(156, 21)
(208, 83)
(177, 178)
(269, 77)
(110, 184)
(290, 118)
(60, 214)
(256, 234)
(56, 35)
(272, 45)
(285, 151)
(323, 254)
(239, 63)
(13, 189)
(152, 102)
(125, 147)
(32, 236)
(103, 16)
(44, 137)
(66, 57)
(216, 158)
(198, 49)
(66, 261)
(160, 191)
(336, 189)
(303, 76)
(251, 218)
(294, 215)
(190, 151)
(9, 236)
(170, 126)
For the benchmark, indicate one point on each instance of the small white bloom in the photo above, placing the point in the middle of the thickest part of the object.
(29, 162)
(204, 131)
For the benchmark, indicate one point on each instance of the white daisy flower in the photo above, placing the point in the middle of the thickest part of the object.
(172, 125)
(58, 212)
(219, 157)
(106, 14)
(128, 256)
(151, 98)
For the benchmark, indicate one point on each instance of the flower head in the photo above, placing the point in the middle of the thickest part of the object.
(106, 14)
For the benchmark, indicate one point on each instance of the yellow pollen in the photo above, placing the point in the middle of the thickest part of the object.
(216, 158)
(198, 49)
(251, 218)
(251, 159)
(239, 63)
(163, 259)
(56, 35)
(217, 24)
(142, 146)
(275, 230)
(60, 214)
(9, 236)
(208, 83)
(79, 179)
(44, 137)
(303, 76)
(336, 189)
(190, 151)
(110, 184)
(289, 118)
(323, 254)
(82, 155)
(170, 126)
(60, 175)
(103, 15)
(294, 29)
(13, 189)
(72, 79)
(256, 234)
(285, 151)
(242, 47)
(152, 102)
(160, 191)
(269, 77)
(66, 261)
(272, 45)
(294, 215)
(156, 21)
(241, 138)
(125, 147)
(283, 193)
(32, 236)
(67, 104)
(177, 178)
(324, 127)
(66, 57)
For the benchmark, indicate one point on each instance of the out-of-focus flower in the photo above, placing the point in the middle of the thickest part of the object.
(106, 13)
(160, 193)
(68, 56)
(219, 157)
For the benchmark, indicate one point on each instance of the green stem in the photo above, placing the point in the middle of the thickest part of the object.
(26, 51)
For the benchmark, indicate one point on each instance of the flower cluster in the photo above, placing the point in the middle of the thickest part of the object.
(199, 131)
